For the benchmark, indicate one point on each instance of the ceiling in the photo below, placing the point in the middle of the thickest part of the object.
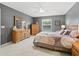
(33, 8)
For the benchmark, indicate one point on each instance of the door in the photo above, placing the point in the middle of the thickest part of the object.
(0, 26)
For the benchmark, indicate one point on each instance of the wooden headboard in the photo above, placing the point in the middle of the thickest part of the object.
(72, 26)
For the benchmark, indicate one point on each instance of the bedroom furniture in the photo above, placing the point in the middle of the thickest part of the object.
(75, 49)
(55, 40)
(35, 29)
(20, 34)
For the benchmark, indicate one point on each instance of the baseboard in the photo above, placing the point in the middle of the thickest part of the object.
(8, 43)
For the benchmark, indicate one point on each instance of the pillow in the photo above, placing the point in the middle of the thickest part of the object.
(74, 34)
(66, 32)
(77, 35)
(61, 31)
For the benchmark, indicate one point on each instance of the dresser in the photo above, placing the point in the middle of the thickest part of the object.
(75, 49)
(35, 29)
(20, 34)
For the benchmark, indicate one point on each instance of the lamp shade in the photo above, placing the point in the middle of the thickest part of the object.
(14, 27)
(62, 26)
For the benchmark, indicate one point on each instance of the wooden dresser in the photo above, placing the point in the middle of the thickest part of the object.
(20, 34)
(35, 29)
(75, 49)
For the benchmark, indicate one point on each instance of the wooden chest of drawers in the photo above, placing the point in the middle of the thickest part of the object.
(18, 35)
(75, 49)
(35, 29)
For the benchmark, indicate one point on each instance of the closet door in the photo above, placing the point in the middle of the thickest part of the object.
(0, 26)
(3, 27)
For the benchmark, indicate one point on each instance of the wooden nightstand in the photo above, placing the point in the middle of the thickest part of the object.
(75, 49)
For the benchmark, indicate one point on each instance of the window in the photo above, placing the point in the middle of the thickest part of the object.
(47, 25)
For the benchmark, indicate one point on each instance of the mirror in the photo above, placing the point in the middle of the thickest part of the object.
(18, 22)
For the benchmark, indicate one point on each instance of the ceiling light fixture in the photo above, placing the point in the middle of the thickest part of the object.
(41, 10)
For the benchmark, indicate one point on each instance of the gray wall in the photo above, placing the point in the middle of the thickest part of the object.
(8, 21)
(72, 16)
(54, 18)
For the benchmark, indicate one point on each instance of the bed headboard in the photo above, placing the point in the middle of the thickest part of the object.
(72, 27)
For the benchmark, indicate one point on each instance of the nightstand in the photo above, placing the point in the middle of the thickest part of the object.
(75, 49)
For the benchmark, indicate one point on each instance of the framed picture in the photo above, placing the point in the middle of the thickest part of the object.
(57, 22)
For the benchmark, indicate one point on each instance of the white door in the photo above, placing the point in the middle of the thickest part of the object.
(0, 25)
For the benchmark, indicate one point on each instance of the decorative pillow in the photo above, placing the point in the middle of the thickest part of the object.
(61, 31)
(77, 35)
(74, 34)
(66, 32)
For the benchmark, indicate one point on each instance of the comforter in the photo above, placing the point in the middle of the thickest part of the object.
(54, 41)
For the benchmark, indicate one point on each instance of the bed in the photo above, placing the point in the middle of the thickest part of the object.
(56, 41)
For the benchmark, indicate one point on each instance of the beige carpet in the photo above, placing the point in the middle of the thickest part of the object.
(26, 48)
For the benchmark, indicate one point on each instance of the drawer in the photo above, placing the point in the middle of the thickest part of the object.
(35, 30)
(19, 35)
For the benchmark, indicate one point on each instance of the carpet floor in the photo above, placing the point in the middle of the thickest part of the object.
(26, 48)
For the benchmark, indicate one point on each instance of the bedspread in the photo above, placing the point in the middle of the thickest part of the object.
(54, 41)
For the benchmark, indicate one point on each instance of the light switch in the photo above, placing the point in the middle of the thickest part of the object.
(2, 26)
